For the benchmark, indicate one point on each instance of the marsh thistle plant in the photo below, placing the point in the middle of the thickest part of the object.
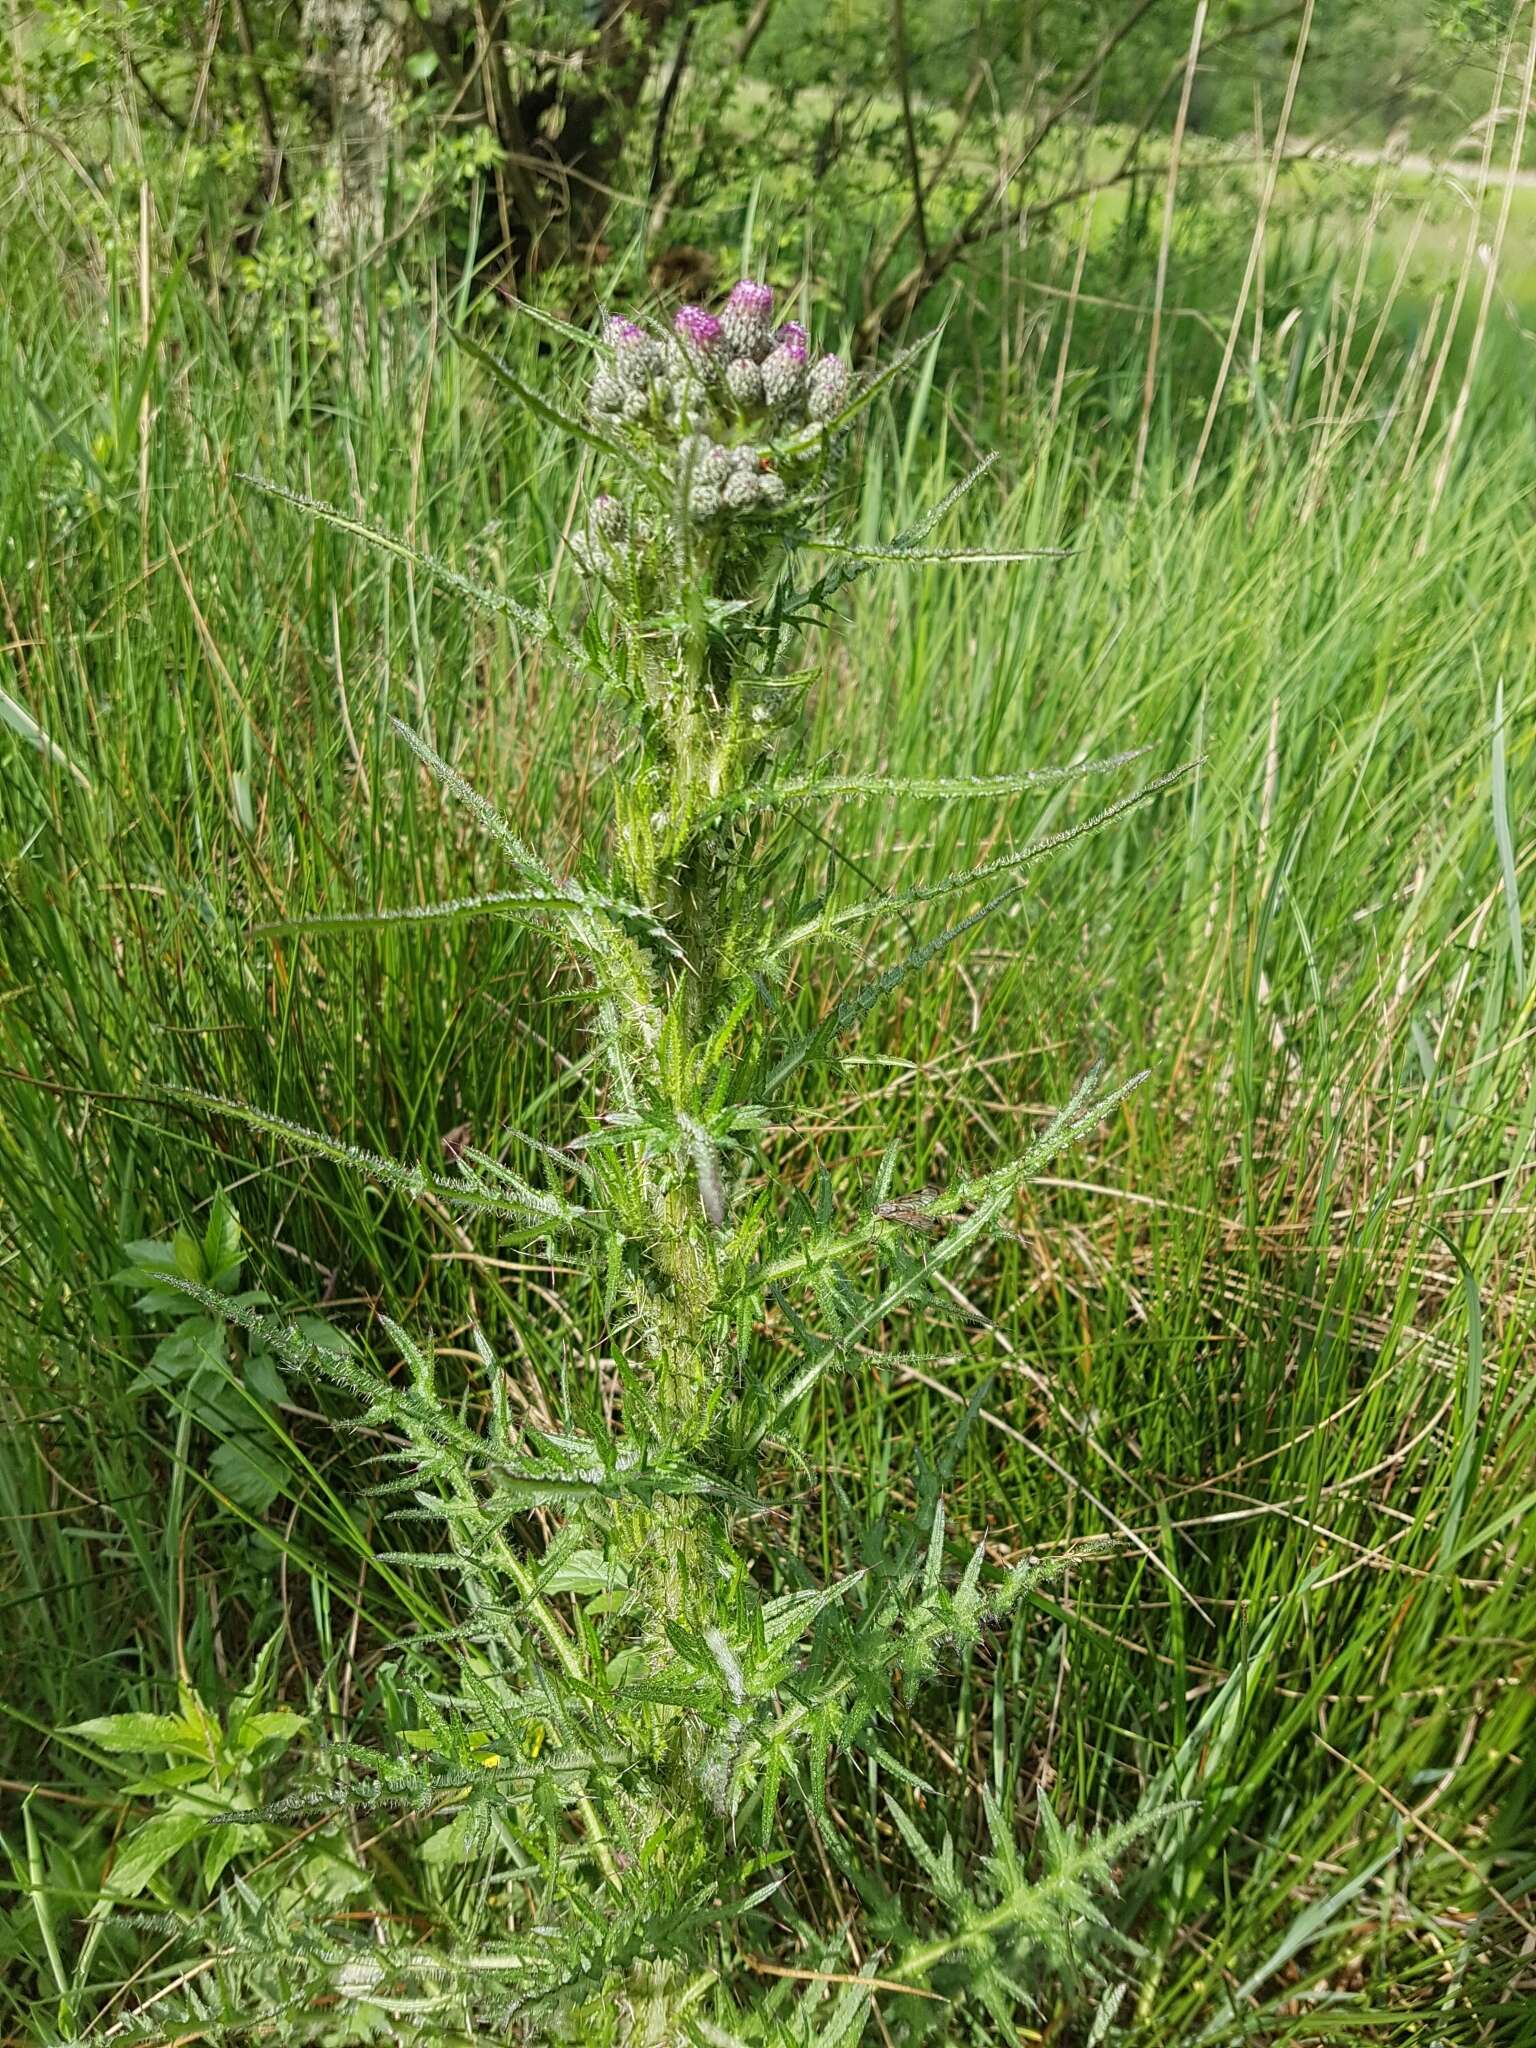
(630, 1751)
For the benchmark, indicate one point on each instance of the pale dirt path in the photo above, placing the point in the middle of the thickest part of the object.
(1459, 168)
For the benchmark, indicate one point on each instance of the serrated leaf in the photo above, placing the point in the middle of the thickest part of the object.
(855, 551)
(221, 1246)
(135, 1734)
(248, 1473)
(815, 436)
(543, 408)
(536, 624)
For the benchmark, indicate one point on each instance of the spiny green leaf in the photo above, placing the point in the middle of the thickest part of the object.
(835, 920)
(869, 390)
(537, 624)
(544, 408)
(955, 557)
(801, 793)
(547, 1210)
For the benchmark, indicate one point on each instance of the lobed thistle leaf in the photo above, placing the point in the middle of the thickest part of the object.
(806, 792)
(537, 624)
(545, 409)
(519, 906)
(529, 1209)
(893, 552)
(1008, 863)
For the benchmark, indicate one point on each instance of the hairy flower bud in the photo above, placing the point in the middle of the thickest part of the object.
(636, 405)
(617, 331)
(771, 488)
(703, 501)
(744, 381)
(609, 518)
(639, 362)
(829, 386)
(783, 374)
(699, 332)
(793, 335)
(606, 394)
(740, 490)
(747, 322)
(702, 461)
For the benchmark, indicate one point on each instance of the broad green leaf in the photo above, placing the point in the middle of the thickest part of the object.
(263, 1377)
(256, 1729)
(134, 1734)
(148, 1849)
(248, 1472)
(221, 1246)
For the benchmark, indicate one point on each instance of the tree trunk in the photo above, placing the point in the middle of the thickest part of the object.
(353, 48)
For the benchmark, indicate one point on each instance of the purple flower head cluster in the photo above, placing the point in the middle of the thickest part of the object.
(726, 406)
(698, 330)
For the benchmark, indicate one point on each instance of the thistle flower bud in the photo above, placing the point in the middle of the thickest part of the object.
(636, 405)
(609, 518)
(740, 490)
(702, 461)
(606, 394)
(617, 331)
(699, 332)
(639, 362)
(771, 488)
(703, 502)
(793, 335)
(783, 374)
(830, 383)
(747, 322)
(744, 381)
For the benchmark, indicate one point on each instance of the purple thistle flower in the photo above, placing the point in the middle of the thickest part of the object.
(793, 337)
(617, 331)
(697, 329)
(747, 322)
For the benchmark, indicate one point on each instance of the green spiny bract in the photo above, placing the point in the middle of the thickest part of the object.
(631, 1711)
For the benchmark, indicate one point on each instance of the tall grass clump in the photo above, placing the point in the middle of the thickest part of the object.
(651, 1701)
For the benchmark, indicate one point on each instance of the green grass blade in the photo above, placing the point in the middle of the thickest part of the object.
(1506, 841)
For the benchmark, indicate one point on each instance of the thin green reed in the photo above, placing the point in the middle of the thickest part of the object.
(651, 1700)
